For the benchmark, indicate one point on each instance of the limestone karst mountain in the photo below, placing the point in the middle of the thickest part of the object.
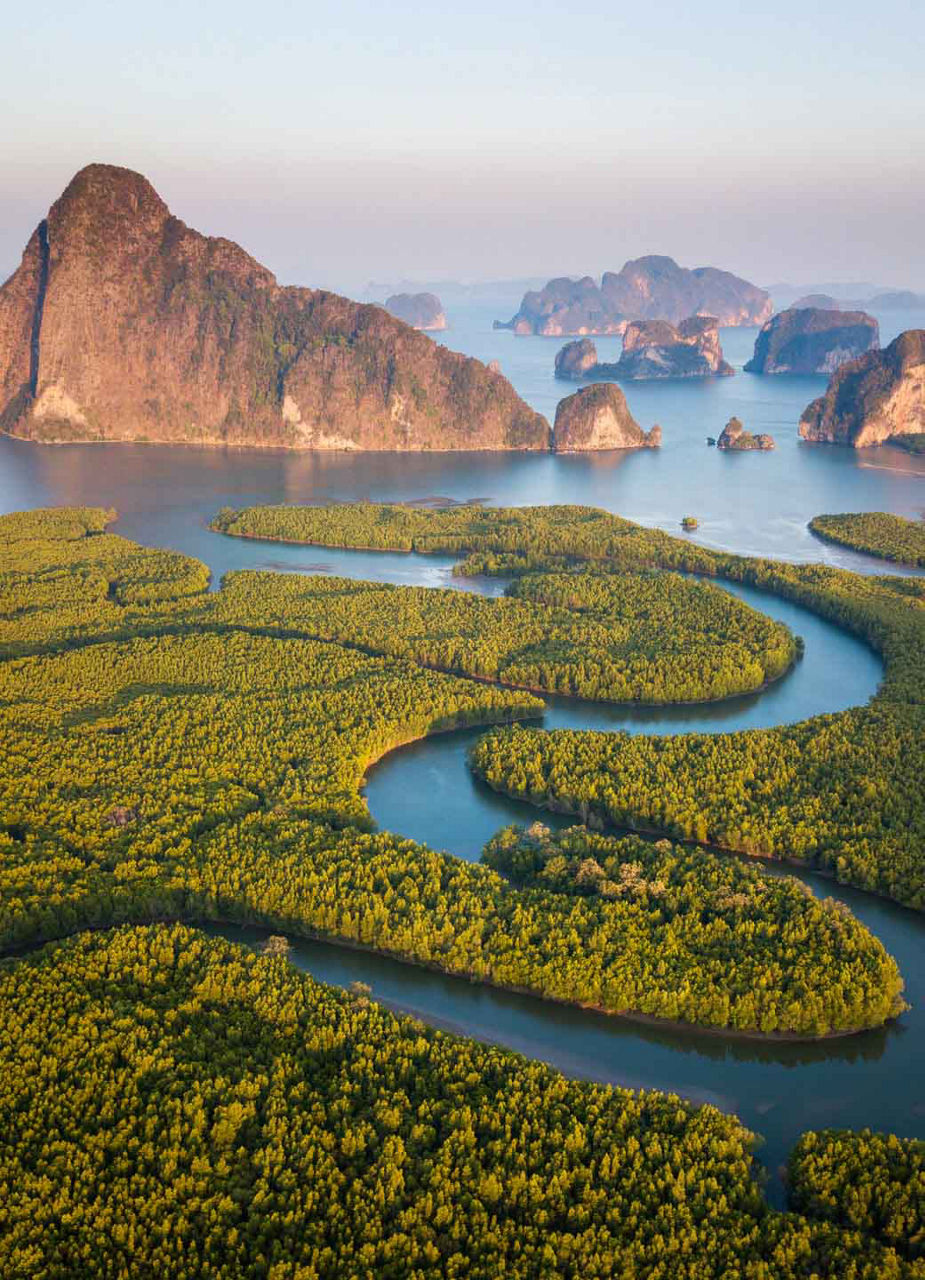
(650, 288)
(812, 340)
(598, 417)
(122, 323)
(876, 398)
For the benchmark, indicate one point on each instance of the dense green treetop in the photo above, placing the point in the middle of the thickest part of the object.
(176, 1105)
(216, 772)
(646, 637)
(173, 1105)
(874, 1182)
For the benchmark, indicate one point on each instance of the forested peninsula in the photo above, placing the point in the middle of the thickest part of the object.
(876, 533)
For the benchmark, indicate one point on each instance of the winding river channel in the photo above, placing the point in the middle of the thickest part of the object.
(424, 790)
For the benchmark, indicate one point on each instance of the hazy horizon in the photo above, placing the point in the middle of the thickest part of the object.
(505, 144)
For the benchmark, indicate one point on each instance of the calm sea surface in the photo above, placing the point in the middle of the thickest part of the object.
(756, 504)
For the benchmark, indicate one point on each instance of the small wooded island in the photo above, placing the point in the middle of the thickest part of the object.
(734, 437)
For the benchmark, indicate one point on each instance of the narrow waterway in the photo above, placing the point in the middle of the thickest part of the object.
(425, 790)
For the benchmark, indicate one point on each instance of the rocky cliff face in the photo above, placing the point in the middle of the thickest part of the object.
(810, 340)
(577, 360)
(651, 288)
(122, 323)
(871, 399)
(597, 417)
(420, 310)
(652, 349)
(657, 349)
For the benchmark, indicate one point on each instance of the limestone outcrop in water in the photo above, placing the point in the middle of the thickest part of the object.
(122, 323)
(420, 310)
(598, 417)
(734, 437)
(577, 360)
(813, 340)
(876, 398)
(650, 288)
(652, 349)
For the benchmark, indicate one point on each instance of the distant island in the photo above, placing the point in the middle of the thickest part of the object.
(811, 340)
(853, 295)
(124, 324)
(650, 288)
(462, 291)
(651, 349)
(878, 398)
(420, 310)
(892, 300)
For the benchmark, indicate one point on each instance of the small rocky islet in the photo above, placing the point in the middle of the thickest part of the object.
(735, 438)
(651, 349)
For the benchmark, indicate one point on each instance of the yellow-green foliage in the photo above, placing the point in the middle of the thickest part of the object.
(873, 1182)
(876, 533)
(662, 906)
(844, 792)
(63, 579)
(216, 773)
(542, 531)
(649, 637)
(177, 1106)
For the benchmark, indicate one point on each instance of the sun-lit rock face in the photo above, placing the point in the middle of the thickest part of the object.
(122, 323)
(812, 340)
(650, 288)
(597, 417)
(871, 399)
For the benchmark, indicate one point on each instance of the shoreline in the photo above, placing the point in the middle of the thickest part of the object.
(281, 448)
(197, 920)
(833, 541)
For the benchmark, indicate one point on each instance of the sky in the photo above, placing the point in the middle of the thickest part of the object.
(348, 141)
